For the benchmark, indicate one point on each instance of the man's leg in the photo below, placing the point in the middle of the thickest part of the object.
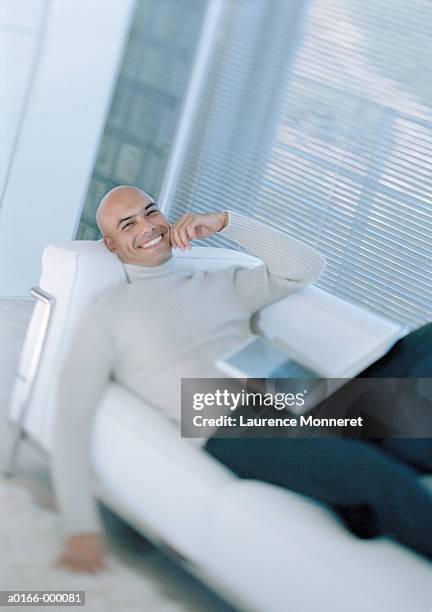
(346, 474)
(411, 357)
(415, 452)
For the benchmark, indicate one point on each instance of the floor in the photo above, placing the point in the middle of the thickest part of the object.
(122, 541)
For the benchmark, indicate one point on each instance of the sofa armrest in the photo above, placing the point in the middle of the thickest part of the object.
(335, 338)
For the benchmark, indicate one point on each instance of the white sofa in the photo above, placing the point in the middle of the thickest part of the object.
(261, 547)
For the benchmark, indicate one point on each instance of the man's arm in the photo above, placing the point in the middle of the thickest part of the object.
(82, 383)
(289, 264)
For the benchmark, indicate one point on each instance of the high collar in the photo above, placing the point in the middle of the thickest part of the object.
(135, 272)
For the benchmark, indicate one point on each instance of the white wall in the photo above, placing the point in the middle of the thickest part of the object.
(51, 141)
(21, 22)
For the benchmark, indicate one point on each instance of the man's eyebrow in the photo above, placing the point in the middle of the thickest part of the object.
(131, 216)
(124, 219)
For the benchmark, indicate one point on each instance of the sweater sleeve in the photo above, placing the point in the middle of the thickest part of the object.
(82, 382)
(289, 264)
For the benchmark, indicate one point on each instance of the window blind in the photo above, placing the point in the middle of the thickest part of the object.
(316, 118)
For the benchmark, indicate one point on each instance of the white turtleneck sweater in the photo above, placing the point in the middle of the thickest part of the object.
(161, 326)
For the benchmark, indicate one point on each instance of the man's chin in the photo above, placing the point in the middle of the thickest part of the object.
(151, 259)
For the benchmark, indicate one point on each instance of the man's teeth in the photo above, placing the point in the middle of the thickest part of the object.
(151, 242)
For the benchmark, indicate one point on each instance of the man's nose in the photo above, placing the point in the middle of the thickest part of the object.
(145, 225)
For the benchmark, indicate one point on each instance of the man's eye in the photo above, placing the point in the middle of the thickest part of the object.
(128, 225)
(153, 211)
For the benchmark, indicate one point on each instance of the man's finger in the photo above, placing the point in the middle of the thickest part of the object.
(170, 236)
(175, 233)
(179, 233)
(173, 237)
(176, 238)
(183, 232)
(191, 232)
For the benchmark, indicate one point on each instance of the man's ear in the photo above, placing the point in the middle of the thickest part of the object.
(109, 243)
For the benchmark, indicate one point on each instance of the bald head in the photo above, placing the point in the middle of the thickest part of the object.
(133, 228)
(118, 198)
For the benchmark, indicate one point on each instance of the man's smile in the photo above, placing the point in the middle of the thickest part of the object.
(151, 243)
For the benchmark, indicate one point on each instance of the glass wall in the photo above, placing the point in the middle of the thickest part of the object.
(146, 103)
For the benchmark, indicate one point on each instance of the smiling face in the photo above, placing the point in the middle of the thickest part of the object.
(133, 228)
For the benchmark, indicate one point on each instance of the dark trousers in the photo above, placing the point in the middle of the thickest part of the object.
(373, 485)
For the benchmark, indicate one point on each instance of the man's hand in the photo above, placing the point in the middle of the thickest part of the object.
(83, 553)
(193, 226)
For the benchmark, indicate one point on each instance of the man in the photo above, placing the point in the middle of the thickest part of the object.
(162, 325)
